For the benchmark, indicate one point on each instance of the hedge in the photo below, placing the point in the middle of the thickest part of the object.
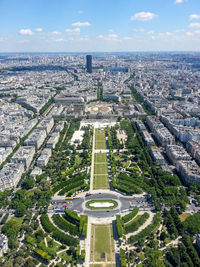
(122, 258)
(130, 216)
(42, 254)
(136, 223)
(65, 225)
(83, 225)
(71, 186)
(72, 216)
(148, 230)
(4, 219)
(119, 226)
(57, 234)
(65, 183)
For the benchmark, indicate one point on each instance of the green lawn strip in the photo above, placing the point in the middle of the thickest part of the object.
(102, 242)
(100, 145)
(101, 182)
(100, 168)
(148, 230)
(135, 224)
(100, 157)
(101, 201)
(130, 216)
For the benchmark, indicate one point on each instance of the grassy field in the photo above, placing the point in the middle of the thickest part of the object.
(101, 182)
(184, 216)
(100, 158)
(100, 139)
(100, 171)
(102, 243)
(100, 168)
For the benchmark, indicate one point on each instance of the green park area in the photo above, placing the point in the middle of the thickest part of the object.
(100, 171)
(101, 204)
(102, 245)
(100, 139)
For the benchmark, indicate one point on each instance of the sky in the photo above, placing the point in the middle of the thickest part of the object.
(99, 25)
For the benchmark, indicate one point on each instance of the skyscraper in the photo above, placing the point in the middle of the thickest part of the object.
(89, 63)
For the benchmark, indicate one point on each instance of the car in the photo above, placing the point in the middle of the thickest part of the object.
(88, 194)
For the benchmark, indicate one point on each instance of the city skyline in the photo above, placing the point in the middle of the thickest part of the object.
(103, 26)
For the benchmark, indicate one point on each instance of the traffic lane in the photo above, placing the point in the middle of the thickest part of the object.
(77, 203)
(101, 213)
(100, 196)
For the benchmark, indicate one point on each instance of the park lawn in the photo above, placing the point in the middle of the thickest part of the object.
(78, 160)
(100, 168)
(16, 221)
(100, 158)
(102, 242)
(56, 246)
(101, 182)
(100, 139)
(30, 193)
(64, 256)
(100, 144)
(133, 220)
(184, 216)
(124, 162)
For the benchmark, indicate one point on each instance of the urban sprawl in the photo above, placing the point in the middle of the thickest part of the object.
(100, 159)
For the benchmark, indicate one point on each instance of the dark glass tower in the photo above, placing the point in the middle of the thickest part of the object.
(89, 63)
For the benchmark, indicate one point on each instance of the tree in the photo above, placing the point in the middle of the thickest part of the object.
(28, 183)
(21, 209)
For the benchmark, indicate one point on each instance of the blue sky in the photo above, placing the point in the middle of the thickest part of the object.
(99, 25)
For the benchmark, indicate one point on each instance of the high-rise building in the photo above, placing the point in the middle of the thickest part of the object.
(89, 63)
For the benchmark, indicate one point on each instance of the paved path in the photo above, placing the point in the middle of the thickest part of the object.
(148, 221)
(87, 243)
(92, 164)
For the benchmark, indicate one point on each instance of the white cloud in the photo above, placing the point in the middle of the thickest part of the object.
(55, 33)
(178, 1)
(73, 31)
(112, 36)
(81, 24)
(59, 40)
(194, 16)
(194, 25)
(127, 38)
(150, 32)
(100, 36)
(83, 38)
(139, 30)
(143, 16)
(25, 32)
(109, 37)
(189, 34)
(38, 30)
(80, 11)
(24, 41)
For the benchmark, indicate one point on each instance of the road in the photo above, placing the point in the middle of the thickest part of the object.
(125, 203)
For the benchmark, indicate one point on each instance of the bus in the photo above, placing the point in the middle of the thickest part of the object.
(68, 198)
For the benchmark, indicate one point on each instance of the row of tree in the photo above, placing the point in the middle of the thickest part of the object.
(57, 234)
